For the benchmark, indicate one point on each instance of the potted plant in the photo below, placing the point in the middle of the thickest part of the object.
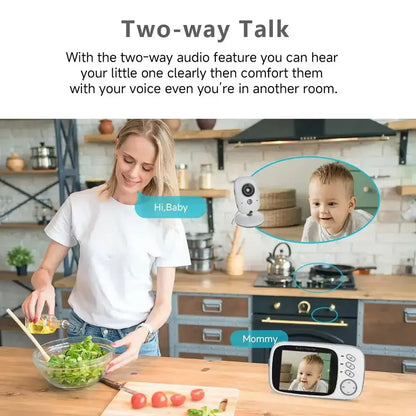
(20, 257)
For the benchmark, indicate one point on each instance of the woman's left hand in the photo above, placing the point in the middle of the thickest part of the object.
(133, 343)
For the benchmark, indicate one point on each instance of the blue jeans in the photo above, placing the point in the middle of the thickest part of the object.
(78, 327)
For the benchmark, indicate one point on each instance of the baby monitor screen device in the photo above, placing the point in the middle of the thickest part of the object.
(334, 371)
(247, 199)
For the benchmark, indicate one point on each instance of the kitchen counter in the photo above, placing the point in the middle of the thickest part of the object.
(369, 287)
(23, 390)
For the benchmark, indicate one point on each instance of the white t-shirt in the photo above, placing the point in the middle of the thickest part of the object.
(319, 387)
(313, 231)
(118, 249)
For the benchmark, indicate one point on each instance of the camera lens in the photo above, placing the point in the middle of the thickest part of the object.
(248, 189)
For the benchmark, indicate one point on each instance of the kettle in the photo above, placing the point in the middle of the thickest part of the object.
(280, 264)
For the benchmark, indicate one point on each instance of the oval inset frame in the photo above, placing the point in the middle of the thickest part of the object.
(351, 167)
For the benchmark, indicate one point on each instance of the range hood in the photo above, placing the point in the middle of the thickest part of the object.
(275, 131)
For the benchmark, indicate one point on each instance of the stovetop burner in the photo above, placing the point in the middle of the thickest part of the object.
(307, 280)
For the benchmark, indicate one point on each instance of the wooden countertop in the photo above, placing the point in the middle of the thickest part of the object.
(376, 287)
(23, 391)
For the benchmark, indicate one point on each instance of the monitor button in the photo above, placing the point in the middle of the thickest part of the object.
(348, 387)
(351, 366)
(349, 373)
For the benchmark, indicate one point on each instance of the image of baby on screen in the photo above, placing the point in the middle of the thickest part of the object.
(332, 205)
(309, 375)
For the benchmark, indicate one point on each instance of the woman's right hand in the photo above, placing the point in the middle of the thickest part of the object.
(33, 305)
(42, 282)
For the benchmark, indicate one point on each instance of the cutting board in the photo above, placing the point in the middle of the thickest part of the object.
(121, 404)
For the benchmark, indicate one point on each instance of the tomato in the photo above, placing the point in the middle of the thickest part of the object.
(138, 400)
(197, 395)
(159, 399)
(177, 399)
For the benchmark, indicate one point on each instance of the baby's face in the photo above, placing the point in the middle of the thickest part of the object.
(330, 204)
(309, 374)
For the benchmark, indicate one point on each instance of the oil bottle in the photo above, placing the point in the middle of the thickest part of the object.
(47, 324)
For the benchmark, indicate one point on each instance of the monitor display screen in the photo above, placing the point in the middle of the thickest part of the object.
(305, 370)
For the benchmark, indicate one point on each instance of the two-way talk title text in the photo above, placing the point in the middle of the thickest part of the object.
(249, 29)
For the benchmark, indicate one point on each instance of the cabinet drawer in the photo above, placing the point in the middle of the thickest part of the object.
(213, 306)
(213, 356)
(390, 364)
(386, 324)
(204, 334)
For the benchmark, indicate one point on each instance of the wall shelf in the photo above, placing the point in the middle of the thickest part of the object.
(402, 124)
(206, 193)
(406, 190)
(67, 180)
(177, 135)
(21, 225)
(29, 172)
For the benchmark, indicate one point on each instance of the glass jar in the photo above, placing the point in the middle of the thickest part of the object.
(205, 176)
(47, 324)
(182, 175)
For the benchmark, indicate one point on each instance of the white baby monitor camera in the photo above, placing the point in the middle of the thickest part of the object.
(247, 199)
(334, 371)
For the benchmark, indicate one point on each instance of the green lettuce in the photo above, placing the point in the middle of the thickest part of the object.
(74, 364)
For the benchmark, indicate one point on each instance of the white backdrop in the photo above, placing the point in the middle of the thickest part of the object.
(373, 73)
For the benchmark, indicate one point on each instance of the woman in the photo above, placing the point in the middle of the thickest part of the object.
(112, 295)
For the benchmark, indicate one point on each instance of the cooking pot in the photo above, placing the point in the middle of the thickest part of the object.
(43, 150)
(199, 240)
(43, 157)
(43, 162)
(280, 265)
(200, 266)
(201, 253)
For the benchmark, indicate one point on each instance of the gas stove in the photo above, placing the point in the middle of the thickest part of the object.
(307, 280)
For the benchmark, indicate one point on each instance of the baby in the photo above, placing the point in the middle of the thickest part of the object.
(309, 375)
(332, 204)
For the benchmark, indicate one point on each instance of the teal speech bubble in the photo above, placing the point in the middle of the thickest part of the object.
(170, 206)
(257, 338)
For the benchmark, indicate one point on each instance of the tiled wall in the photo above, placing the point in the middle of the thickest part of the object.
(387, 242)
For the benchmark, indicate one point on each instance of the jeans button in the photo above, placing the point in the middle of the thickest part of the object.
(105, 332)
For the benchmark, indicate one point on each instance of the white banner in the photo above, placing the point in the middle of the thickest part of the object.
(245, 59)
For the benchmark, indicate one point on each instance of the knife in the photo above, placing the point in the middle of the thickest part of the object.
(116, 385)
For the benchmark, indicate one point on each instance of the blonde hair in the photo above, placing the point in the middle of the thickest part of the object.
(165, 180)
(327, 174)
(314, 359)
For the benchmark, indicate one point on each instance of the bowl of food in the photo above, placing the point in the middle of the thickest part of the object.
(91, 183)
(75, 362)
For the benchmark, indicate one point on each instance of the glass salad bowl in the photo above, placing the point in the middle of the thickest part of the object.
(76, 362)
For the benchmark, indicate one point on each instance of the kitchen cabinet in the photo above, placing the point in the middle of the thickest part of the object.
(201, 325)
(387, 335)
